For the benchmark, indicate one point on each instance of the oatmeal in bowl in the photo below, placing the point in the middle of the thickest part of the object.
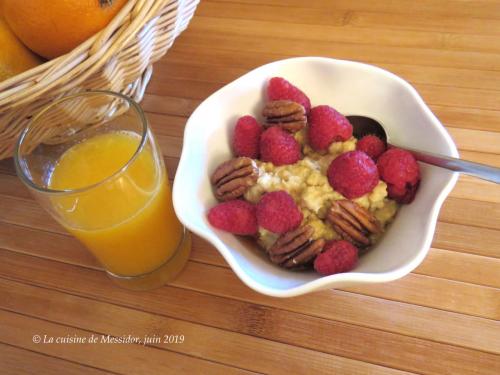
(350, 88)
(309, 192)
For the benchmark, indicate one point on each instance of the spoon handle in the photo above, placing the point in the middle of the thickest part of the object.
(482, 171)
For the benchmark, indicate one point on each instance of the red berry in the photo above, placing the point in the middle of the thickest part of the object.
(326, 125)
(280, 89)
(371, 145)
(337, 257)
(247, 137)
(353, 174)
(400, 170)
(279, 147)
(404, 194)
(278, 213)
(238, 217)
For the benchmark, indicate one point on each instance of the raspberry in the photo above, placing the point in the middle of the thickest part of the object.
(280, 89)
(247, 137)
(279, 147)
(278, 213)
(337, 257)
(238, 217)
(326, 125)
(400, 170)
(353, 174)
(404, 194)
(371, 145)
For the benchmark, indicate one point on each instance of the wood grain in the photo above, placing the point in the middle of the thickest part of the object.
(231, 349)
(360, 17)
(256, 320)
(341, 306)
(18, 330)
(446, 8)
(21, 361)
(344, 32)
(443, 318)
(366, 52)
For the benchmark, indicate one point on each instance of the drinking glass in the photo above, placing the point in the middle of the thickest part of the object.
(93, 163)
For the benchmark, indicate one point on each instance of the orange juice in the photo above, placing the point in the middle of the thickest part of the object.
(126, 220)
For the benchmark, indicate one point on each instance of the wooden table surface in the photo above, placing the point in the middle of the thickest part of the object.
(443, 318)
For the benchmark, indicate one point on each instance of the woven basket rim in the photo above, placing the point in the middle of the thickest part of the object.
(119, 58)
(25, 84)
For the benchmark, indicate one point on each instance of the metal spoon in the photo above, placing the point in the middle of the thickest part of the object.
(363, 125)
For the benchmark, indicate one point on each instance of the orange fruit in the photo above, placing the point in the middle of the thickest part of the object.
(53, 28)
(14, 56)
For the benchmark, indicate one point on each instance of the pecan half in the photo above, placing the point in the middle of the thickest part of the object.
(288, 115)
(234, 177)
(296, 248)
(353, 222)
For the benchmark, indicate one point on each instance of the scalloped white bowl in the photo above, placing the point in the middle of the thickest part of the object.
(352, 88)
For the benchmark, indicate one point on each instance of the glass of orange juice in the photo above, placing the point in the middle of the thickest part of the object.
(91, 160)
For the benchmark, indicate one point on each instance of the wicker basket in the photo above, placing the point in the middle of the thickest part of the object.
(119, 58)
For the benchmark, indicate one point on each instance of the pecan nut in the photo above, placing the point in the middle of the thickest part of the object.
(234, 177)
(353, 222)
(296, 248)
(288, 115)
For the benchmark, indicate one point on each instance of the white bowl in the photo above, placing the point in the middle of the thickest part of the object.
(351, 88)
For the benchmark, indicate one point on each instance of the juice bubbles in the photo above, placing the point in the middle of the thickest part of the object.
(123, 212)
